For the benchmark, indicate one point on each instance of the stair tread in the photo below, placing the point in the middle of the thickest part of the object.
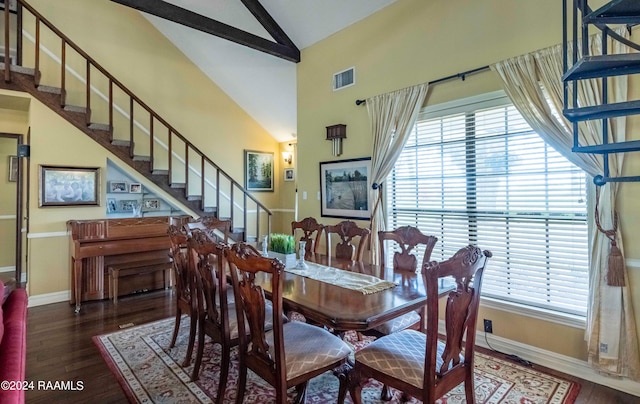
(75, 108)
(621, 147)
(99, 126)
(50, 89)
(616, 11)
(603, 111)
(603, 66)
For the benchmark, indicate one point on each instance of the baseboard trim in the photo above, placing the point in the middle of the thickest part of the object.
(553, 360)
(49, 298)
(8, 269)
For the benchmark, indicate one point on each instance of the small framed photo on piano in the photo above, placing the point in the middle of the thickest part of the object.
(69, 186)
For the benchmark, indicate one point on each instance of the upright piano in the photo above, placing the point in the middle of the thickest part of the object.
(96, 244)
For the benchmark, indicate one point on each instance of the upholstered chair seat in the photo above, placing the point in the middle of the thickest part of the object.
(399, 323)
(396, 356)
(300, 347)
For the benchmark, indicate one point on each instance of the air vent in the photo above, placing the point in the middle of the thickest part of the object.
(344, 78)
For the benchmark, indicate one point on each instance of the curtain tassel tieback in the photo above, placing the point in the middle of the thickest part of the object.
(615, 274)
(615, 264)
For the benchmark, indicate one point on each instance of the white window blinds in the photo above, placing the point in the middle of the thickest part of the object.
(479, 174)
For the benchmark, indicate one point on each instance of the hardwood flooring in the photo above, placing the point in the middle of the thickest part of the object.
(59, 348)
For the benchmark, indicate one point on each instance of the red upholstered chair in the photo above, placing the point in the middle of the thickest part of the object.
(311, 233)
(346, 231)
(292, 353)
(417, 363)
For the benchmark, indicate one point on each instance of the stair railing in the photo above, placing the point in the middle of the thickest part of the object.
(215, 192)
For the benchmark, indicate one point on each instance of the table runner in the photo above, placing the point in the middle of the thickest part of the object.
(366, 284)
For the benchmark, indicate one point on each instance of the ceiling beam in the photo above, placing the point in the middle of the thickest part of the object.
(285, 49)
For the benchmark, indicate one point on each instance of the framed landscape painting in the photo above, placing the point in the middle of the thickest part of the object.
(258, 170)
(344, 188)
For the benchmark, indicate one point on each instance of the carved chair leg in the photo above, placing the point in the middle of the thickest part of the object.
(385, 394)
(469, 389)
(301, 393)
(196, 366)
(343, 375)
(176, 328)
(224, 373)
(192, 339)
(242, 382)
(355, 381)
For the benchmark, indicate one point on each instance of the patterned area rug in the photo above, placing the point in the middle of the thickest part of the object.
(149, 372)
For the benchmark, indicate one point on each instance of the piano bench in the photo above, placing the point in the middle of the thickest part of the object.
(137, 268)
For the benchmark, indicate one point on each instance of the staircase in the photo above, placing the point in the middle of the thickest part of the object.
(133, 131)
(581, 65)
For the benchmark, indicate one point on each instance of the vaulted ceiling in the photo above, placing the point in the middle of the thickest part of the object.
(261, 81)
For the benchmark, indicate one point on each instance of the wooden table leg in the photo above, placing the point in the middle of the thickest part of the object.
(77, 281)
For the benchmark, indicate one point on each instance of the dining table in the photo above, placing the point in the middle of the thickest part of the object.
(342, 308)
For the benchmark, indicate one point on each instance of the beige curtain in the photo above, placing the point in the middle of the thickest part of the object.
(391, 118)
(529, 80)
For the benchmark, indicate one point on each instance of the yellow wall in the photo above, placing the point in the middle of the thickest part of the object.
(415, 41)
(129, 47)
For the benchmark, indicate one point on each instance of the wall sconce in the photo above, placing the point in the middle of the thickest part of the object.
(336, 133)
(287, 156)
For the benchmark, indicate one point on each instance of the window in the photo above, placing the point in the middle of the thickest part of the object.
(477, 173)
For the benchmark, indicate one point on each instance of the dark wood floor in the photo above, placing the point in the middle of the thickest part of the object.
(59, 348)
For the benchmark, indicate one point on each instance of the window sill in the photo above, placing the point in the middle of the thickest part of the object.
(537, 313)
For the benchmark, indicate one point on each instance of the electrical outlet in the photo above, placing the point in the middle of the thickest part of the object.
(488, 326)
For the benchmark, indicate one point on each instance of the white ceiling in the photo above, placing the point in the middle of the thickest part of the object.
(263, 85)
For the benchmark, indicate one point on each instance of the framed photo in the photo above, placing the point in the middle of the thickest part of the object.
(150, 204)
(127, 205)
(258, 171)
(344, 188)
(289, 174)
(112, 205)
(118, 187)
(13, 168)
(135, 188)
(69, 186)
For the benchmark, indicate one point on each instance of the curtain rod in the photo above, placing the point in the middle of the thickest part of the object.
(462, 76)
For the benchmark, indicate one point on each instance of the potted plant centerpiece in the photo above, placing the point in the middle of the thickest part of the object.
(283, 247)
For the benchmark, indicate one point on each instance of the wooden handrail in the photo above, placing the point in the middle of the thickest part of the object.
(190, 148)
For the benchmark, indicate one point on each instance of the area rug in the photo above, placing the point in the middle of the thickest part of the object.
(150, 372)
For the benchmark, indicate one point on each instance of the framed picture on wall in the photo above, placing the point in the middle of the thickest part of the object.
(135, 188)
(258, 170)
(344, 188)
(289, 174)
(69, 186)
(118, 187)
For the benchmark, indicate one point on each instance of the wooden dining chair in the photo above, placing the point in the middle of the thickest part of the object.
(346, 231)
(407, 238)
(217, 229)
(311, 233)
(185, 303)
(293, 352)
(418, 364)
(216, 315)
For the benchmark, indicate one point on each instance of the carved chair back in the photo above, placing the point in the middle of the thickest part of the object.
(214, 319)
(446, 364)
(184, 286)
(245, 263)
(346, 231)
(217, 229)
(311, 233)
(407, 238)
(466, 267)
(177, 252)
